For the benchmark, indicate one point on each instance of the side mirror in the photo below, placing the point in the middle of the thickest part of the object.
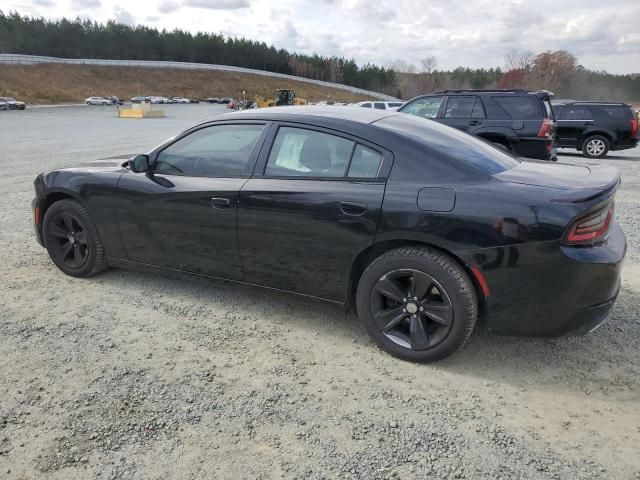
(139, 164)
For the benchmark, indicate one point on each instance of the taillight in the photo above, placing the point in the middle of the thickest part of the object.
(634, 128)
(546, 129)
(36, 215)
(592, 227)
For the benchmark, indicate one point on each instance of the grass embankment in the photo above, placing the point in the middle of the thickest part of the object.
(60, 83)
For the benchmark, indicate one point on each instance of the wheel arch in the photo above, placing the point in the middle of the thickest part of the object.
(54, 196)
(365, 257)
(602, 133)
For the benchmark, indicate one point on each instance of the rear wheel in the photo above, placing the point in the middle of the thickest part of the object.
(72, 239)
(596, 146)
(417, 304)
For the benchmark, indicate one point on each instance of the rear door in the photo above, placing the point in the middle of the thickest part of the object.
(182, 214)
(310, 208)
(571, 121)
(465, 113)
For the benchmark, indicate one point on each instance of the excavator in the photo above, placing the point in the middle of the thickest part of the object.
(281, 97)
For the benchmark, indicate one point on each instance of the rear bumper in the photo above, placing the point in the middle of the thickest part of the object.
(536, 147)
(549, 290)
(624, 145)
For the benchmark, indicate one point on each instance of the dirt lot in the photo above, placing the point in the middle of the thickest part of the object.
(60, 83)
(135, 375)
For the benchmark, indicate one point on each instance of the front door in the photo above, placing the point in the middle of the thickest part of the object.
(182, 214)
(313, 205)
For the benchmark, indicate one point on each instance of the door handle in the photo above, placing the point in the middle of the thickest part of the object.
(353, 208)
(220, 203)
(473, 123)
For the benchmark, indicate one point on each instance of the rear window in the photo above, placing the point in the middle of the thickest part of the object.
(451, 143)
(519, 108)
(395, 104)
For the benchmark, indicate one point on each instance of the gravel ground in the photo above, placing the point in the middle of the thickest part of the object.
(134, 375)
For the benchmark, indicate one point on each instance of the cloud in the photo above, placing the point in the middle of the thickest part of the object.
(85, 4)
(122, 16)
(43, 3)
(218, 4)
(168, 7)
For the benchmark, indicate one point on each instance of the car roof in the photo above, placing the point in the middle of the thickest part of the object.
(603, 104)
(301, 113)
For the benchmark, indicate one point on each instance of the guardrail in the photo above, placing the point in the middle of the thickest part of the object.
(19, 59)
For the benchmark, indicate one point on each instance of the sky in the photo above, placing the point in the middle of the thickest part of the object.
(470, 33)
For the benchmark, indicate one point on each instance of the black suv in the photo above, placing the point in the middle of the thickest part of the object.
(517, 120)
(596, 127)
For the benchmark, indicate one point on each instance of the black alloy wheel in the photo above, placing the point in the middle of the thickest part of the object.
(72, 239)
(411, 309)
(417, 303)
(68, 240)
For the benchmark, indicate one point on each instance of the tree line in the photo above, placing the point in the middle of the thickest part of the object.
(557, 71)
(117, 41)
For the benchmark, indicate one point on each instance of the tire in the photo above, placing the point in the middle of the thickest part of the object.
(451, 298)
(595, 146)
(72, 239)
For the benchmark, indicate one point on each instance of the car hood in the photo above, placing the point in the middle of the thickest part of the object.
(116, 163)
(573, 182)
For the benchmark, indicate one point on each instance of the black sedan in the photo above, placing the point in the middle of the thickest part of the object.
(421, 228)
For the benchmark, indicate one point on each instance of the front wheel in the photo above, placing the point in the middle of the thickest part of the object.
(596, 146)
(417, 304)
(72, 239)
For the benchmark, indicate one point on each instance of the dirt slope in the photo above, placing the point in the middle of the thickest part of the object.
(58, 83)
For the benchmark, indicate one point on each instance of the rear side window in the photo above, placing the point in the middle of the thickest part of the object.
(519, 108)
(379, 106)
(365, 163)
(298, 152)
(395, 104)
(620, 112)
(459, 107)
(425, 107)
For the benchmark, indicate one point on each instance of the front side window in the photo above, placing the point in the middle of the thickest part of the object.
(571, 112)
(217, 151)
(459, 107)
(298, 152)
(379, 106)
(366, 105)
(425, 107)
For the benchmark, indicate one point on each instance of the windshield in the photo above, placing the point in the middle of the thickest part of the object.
(452, 143)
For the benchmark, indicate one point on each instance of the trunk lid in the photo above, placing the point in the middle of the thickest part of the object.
(574, 183)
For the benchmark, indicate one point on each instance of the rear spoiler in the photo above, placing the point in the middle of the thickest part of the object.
(544, 94)
(604, 182)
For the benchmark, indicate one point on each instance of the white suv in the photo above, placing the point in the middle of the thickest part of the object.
(379, 105)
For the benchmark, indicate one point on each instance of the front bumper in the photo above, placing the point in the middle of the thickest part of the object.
(549, 290)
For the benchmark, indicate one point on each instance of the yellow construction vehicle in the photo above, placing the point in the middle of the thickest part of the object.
(281, 97)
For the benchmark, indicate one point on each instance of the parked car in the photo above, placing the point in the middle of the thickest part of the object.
(213, 100)
(516, 120)
(3, 105)
(180, 100)
(419, 226)
(226, 100)
(379, 105)
(139, 99)
(193, 100)
(596, 127)
(97, 101)
(13, 104)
